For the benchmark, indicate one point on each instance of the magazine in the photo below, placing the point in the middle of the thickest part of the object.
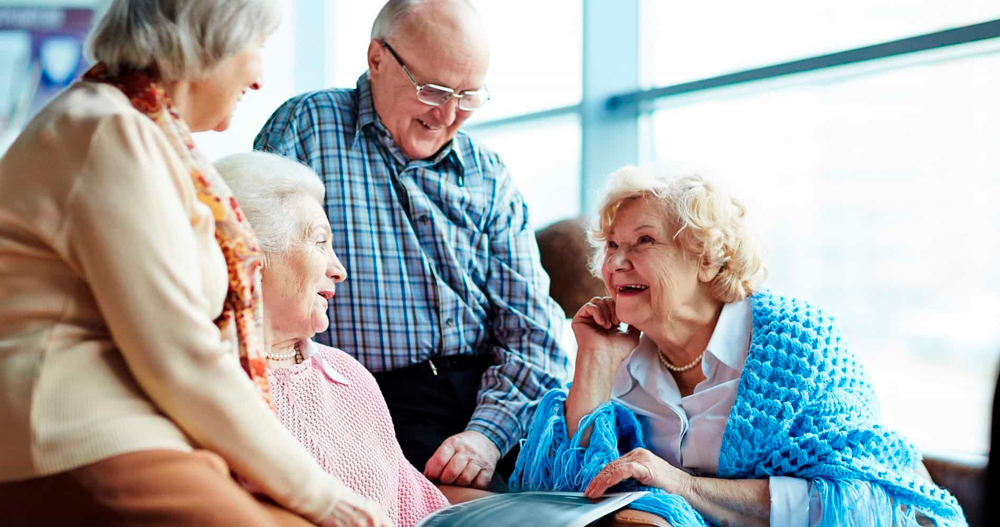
(524, 509)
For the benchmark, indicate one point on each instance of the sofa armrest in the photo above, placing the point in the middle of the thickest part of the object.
(965, 479)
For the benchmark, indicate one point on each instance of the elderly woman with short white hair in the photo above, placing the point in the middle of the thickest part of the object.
(325, 397)
(733, 404)
(132, 377)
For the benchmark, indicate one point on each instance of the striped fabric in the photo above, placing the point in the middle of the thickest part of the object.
(440, 255)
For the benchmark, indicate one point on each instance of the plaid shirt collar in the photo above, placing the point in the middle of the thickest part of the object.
(453, 151)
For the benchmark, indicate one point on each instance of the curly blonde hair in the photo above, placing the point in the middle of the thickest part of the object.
(709, 224)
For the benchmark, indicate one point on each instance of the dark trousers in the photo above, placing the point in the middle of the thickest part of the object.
(430, 404)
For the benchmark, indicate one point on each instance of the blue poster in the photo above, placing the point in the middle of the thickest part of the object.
(41, 52)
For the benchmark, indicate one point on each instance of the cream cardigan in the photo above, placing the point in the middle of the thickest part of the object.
(110, 278)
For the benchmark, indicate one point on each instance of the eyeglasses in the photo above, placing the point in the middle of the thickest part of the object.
(434, 95)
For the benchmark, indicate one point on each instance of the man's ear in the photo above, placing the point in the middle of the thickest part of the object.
(376, 56)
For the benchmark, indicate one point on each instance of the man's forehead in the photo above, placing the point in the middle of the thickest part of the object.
(437, 61)
(445, 28)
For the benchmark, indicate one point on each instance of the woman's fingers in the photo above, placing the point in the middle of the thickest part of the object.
(355, 510)
(601, 315)
(591, 312)
(613, 307)
(608, 312)
(637, 464)
(613, 474)
(602, 310)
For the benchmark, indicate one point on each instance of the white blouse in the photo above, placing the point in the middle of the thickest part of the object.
(687, 431)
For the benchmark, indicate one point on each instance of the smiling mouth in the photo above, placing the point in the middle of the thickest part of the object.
(429, 127)
(326, 295)
(632, 288)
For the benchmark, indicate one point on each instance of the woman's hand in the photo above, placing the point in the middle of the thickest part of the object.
(720, 501)
(355, 510)
(644, 467)
(598, 336)
(601, 348)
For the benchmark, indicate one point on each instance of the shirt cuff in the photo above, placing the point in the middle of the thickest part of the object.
(789, 502)
(501, 427)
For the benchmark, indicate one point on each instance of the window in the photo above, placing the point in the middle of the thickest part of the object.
(693, 40)
(544, 160)
(14, 62)
(874, 189)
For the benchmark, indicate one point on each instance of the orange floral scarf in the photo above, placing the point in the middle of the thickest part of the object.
(243, 305)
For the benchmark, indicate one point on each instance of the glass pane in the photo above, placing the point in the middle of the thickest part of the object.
(536, 67)
(349, 29)
(876, 197)
(694, 40)
(544, 160)
(14, 63)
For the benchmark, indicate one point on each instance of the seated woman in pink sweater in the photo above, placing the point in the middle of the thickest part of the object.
(323, 396)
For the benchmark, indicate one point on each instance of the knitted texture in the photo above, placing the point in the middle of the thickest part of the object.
(550, 460)
(804, 408)
(348, 430)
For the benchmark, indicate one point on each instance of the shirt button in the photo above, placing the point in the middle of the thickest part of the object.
(423, 218)
(450, 322)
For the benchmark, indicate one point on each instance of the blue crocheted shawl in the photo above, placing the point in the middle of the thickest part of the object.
(804, 408)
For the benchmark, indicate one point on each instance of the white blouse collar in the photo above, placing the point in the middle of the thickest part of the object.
(728, 346)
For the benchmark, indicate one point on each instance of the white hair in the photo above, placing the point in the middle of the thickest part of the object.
(179, 39)
(267, 187)
(709, 224)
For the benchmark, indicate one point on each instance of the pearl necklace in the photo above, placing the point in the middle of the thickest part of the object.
(678, 369)
(283, 356)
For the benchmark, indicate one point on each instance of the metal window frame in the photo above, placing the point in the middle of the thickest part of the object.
(615, 143)
(613, 101)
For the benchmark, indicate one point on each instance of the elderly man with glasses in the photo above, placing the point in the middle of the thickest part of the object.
(446, 301)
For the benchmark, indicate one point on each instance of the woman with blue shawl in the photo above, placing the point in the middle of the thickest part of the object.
(732, 404)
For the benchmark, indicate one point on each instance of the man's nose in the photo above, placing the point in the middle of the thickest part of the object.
(446, 112)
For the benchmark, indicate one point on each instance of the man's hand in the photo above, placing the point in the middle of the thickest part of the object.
(464, 459)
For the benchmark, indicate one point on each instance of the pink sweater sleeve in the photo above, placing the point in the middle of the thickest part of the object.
(348, 429)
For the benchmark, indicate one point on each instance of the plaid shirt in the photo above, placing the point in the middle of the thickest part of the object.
(440, 255)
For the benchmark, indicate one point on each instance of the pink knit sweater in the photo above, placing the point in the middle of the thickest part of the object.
(334, 407)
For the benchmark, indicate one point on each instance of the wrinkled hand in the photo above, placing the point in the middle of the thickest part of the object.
(596, 327)
(644, 467)
(355, 510)
(464, 459)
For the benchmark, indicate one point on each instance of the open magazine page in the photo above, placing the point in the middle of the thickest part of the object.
(522, 509)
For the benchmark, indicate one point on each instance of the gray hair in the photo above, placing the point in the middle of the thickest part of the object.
(710, 224)
(267, 186)
(181, 39)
